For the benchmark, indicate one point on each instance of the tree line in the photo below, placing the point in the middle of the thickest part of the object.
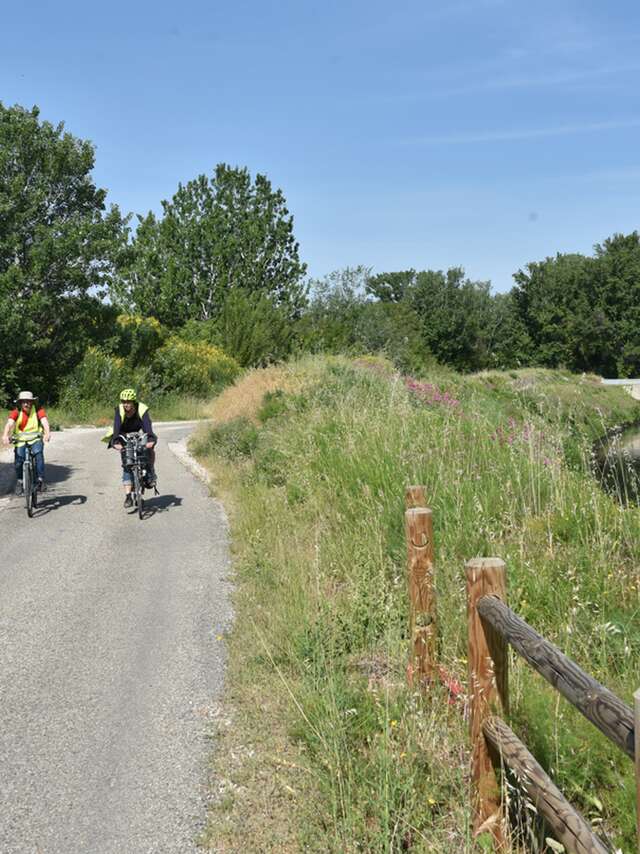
(219, 272)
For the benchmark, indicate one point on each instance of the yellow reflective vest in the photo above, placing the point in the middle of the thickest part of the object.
(142, 408)
(32, 426)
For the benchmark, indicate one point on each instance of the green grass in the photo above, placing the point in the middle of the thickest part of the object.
(165, 408)
(357, 762)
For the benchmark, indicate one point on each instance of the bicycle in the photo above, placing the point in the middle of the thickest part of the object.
(135, 457)
(29, 473)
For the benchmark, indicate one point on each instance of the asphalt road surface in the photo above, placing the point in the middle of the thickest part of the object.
(111, 659)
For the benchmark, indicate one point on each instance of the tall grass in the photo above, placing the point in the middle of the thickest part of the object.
(321, 636)
(166, 407)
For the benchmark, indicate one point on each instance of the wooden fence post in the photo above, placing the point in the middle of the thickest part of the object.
(422, 599)
(636, 707)
(415, 496)
(488, 685)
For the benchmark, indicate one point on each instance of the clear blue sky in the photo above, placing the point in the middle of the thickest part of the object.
(478, 133)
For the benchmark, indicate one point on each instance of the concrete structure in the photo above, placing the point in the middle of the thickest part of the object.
(632, 386)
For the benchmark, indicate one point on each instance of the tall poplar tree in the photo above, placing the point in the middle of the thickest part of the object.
(218, 235)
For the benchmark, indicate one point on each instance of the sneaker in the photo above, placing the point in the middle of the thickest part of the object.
(128, 501)
(41, 485)
(19, 488)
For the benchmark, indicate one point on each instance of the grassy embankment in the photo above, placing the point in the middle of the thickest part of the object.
(324, 748)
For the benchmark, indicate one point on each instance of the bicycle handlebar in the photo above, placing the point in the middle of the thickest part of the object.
(26, 437)
(125, 438)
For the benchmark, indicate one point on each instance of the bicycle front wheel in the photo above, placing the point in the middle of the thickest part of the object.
(34, 485)
(138, 488)
(27, 485)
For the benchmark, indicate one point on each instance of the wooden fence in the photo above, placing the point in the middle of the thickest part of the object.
(492, 625)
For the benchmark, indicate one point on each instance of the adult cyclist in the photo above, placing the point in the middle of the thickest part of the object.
(131, 416)
(27, 424)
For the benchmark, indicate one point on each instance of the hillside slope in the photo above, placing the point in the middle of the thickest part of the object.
(326, 748)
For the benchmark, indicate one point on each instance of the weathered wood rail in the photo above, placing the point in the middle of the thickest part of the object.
(567, 824)
(492, 625)
(599, 705)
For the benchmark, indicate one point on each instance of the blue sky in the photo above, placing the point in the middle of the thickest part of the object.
(479, 133)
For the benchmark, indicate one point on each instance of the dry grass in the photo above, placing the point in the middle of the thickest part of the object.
(245, 396)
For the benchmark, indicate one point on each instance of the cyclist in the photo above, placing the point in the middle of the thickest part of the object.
(131, 415)
(27, 419)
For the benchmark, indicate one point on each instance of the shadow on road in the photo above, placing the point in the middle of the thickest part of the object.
(57, 474)
(160, 504)
(53, 502)
(53, 474)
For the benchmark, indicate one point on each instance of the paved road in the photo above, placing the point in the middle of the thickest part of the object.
(110, 658)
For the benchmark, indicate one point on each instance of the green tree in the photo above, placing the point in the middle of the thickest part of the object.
(457, 316)
(563, 305)
(617, 308)
(58, 246)
(511, 344)
(335, 307)
(216, 236)
(391, 287)
(250, 328)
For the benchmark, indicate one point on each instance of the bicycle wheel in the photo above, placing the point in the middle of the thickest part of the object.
(34, 484)
(138, 488)
(27, 485)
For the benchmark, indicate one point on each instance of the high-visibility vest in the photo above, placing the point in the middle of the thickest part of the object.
(32, 426)
(142, 408)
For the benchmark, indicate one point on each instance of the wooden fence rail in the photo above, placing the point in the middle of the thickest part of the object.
(599, 705)
(492, 624)
(564, 820)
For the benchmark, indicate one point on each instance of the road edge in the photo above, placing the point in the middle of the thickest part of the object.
(180, 450)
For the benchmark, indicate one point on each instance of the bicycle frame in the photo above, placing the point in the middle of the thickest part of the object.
(29, 473)
(135, 457)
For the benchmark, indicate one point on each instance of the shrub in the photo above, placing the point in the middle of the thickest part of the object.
(196, 368)
(98, 378)
(250, 327)
(200, 332)
(137, 338)
(274, 403)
